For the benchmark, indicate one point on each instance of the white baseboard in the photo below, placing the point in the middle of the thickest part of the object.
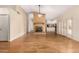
(17, 36)
(76, 39)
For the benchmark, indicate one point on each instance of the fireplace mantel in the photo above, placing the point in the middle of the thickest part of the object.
(38, 23)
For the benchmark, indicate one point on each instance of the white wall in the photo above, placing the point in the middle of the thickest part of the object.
(63, 19)
(18, 23)
(4, 11)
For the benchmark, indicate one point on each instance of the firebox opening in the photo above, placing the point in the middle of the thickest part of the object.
(39, 29)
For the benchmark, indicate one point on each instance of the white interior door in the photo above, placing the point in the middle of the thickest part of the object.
(4, 27)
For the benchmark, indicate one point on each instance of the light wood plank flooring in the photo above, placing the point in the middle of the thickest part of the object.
(40, 43)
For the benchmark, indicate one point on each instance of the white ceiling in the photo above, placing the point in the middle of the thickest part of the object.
(51, 11)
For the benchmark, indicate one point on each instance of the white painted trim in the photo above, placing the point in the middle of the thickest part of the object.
(75, 38)
(17, 36)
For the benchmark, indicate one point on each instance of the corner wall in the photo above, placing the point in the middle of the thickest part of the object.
(18, 23)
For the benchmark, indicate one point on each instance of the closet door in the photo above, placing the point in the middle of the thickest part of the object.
(4, 27)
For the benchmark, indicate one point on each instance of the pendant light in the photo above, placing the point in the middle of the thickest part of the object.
(39, 14)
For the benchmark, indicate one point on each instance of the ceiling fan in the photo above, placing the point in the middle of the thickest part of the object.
(39, 13)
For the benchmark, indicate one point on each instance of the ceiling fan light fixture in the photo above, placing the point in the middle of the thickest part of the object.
(39, 15)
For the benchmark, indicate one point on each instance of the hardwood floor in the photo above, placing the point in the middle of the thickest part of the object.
(40, 43)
